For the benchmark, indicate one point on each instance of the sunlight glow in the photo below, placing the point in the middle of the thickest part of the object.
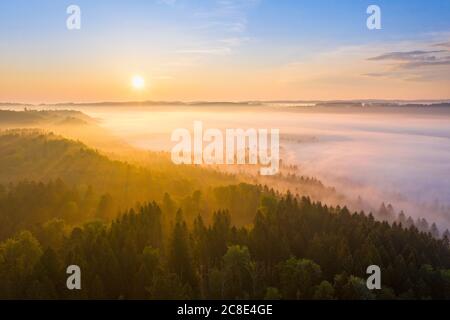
(138, 82)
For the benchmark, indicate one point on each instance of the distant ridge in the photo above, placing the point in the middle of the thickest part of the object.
(321, 103)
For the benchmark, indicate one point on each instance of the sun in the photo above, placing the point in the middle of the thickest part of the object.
(138, 82)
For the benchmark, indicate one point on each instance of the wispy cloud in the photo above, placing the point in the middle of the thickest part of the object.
(234, 41)
(230, 15)
(444, 61)
(224, 47)
(168, 2)
(207, 51)
(376, 74)
(415, 65)
(417, 55)
(443, 44)
(221, 27)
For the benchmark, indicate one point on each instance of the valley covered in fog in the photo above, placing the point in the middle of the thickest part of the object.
(397, 155)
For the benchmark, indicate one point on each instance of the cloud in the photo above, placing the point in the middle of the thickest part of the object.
(168, 2)
(376, 74)
(443, 44)
(230, 15)
(408, 55)
(413, 59)
(445, 61)
(207, 51)
(234, 41)
(221, 25)
(225, 47)
(237, 4)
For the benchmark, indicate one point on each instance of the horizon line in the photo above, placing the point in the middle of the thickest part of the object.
(193, 102)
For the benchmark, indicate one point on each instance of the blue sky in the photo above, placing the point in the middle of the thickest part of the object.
(214, 40)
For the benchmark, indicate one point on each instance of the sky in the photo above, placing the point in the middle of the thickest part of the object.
(223, 50)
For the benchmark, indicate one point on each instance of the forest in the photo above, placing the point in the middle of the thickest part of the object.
(147, 229)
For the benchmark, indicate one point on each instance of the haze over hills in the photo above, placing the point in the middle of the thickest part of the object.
(327, 103)
(370, 155)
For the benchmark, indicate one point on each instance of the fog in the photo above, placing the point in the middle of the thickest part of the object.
(398, 155)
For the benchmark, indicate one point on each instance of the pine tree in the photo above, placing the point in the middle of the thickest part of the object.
(180, 258)
(434, 231)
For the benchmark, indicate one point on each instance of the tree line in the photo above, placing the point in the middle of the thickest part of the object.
(293, 249)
